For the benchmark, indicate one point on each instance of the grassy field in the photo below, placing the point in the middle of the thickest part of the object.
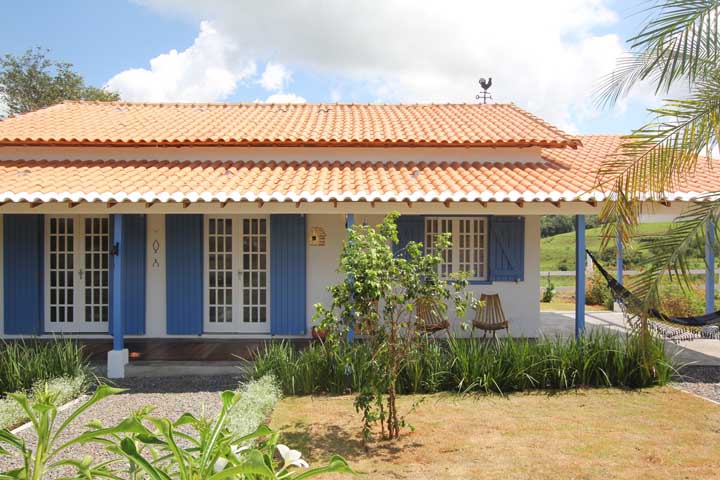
(559, 250)
(659, 433)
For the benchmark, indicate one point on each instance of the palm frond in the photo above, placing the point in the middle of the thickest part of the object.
(658, 157)
(680, 41)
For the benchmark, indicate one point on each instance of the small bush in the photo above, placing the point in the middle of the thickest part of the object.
(62, 390)
(548, 292)
(25, 362)
(598, 293)
(11, 414)
(257, 402)
(679, 302)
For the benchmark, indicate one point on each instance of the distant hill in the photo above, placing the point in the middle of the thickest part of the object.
(558, 252)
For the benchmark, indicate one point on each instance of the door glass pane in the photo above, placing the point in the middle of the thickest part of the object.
(220, 270)
(61, 270)
(254, 269)
(95, 273)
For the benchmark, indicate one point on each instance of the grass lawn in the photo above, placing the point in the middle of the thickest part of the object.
(658, 433)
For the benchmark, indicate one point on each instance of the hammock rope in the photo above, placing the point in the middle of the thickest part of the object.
(674, 328)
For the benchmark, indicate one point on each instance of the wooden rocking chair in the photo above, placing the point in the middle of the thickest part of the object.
(491, 317)
(429, 319)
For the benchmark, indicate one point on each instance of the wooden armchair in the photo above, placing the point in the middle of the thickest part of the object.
(491, 317)
(430, 319)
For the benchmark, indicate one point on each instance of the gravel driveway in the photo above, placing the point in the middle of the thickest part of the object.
(701, 380)
(171, 396)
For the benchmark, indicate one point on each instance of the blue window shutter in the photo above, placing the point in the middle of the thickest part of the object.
(23, 255)
(507, 249)
(288, 285)
(184, 273)
(135, 231)
(411, 228)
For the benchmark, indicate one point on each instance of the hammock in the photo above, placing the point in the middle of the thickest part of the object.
(686, 327)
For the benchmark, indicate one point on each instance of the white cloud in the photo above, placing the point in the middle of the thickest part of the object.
(209, 70)
(285, 98)
(546, 56)
(275, 77)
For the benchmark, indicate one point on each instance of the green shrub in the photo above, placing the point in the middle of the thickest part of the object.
(63, 390)
(11, 414)
(25, 362)
(257, 402)
(679, 302)
(597, 292)
(598, 359)
(548, 292)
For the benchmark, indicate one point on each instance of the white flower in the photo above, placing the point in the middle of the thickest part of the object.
(235, 449)
(220, 464)
(291, 457)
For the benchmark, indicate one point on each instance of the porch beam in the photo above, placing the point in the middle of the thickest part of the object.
(118, 356)
(709, 266)
(580, 259)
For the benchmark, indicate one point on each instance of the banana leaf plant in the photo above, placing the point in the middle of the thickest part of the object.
(147, 447)
(45, 458)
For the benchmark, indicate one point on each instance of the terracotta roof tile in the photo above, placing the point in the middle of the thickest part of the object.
(562, 174)
(121, 123)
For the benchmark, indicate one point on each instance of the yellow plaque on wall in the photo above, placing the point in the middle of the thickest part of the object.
(317, 237)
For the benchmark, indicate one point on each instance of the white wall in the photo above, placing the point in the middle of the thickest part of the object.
(520, 300)
(2, 278)
(155, 325)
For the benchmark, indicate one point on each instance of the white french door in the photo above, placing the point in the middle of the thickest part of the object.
(77, 260)
(237, 267)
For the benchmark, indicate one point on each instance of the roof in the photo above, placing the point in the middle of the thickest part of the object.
(335, 124)
(562, 175)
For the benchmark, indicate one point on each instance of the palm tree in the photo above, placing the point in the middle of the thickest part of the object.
(679, 46)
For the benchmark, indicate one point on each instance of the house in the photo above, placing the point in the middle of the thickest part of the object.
(130, 221)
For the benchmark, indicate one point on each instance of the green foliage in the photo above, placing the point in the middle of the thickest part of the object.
(147, 447)
(682, 302)
(380, 294)
(32, 81)
(599, 359)
(257, 401)
(548, 292)
(551, 225)
(597, 292)
(63, 389)
(23, 363)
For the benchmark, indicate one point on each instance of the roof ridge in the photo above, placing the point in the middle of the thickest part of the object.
(571, 138)
(265, 104)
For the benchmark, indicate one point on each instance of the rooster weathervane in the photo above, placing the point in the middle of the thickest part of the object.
(484, 96)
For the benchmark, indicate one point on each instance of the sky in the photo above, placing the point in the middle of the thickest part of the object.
(547, 57)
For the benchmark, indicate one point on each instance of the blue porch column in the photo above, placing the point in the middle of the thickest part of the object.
(580, 257)
(619, 257)
(349, 222)
(709, 267)
(118, 356)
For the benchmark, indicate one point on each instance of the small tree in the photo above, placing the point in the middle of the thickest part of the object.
(379, 295)
(32, 80)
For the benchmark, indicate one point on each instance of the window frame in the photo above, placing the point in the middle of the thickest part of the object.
(455, 249)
